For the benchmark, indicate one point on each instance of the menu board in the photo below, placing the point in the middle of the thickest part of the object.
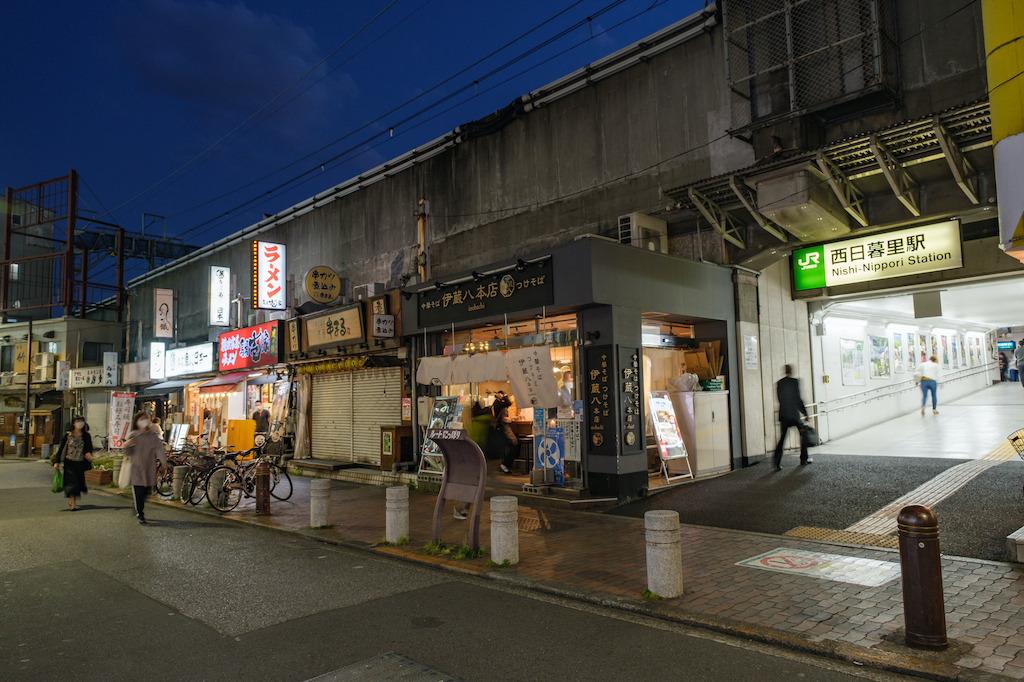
(445, 411)
(663, 414)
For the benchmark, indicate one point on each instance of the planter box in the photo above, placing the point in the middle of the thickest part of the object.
(99, 476)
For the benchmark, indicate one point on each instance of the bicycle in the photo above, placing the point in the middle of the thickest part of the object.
(232, 480)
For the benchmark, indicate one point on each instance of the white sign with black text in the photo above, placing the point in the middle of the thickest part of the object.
(191, 360)
(110, 369)
(383, 326)
(157, 351)
(269, 276)
(163, 307)
(220, 296)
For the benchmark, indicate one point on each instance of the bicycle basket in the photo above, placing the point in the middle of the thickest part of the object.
(1017, 441)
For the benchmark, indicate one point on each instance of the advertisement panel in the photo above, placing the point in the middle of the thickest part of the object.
(191, 360)
(913, 251)
(341, 327)
(269, 275)
(250, 347)
(220, 296)
(163, 309)
(86, 377)
(122, 406)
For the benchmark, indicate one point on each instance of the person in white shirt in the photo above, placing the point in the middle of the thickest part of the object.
(927, 377)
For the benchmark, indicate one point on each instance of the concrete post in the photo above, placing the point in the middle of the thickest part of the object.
(397, 516)
(664, 555)
(176, 480)
(505, 529)
(319, 502)
(262, 489)
(117, 469)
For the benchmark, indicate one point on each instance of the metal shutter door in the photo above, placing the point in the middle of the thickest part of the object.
(97, 412)
(331, 428)
(377, 402)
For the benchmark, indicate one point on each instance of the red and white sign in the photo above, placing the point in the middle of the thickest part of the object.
(121, 407)
(269, 276)
(87, 377)
(250, 347)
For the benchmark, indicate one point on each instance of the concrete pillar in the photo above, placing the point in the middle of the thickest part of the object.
(664, 555)
(505, 529)
(117, 470)
(319, 502)
(177, 480)
(397, 516)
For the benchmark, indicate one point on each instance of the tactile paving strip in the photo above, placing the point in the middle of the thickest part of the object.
(389, 667)
(845, 536)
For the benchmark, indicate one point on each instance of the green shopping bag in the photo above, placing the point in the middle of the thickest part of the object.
(58, 481)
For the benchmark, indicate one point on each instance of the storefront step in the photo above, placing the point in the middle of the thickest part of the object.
(350, 473)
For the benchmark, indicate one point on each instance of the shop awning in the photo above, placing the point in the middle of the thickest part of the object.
(164, 388)
(228, 379)
(44, 410)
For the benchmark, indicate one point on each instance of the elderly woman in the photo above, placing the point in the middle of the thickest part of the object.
(76, 453)
(144, 450)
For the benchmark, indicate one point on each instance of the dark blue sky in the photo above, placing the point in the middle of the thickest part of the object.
(128, 92)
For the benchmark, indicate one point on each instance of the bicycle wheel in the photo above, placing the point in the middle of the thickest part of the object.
(199, 489)
(188, 485)
(165, 482)
(224, 489)
(280, 483)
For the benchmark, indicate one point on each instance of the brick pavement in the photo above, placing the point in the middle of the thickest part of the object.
(602, 558)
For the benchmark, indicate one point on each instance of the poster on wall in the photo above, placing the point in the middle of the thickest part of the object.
(851, 359)
(935, 347)
(163, 308)
(963, 351)
(945, 351)
(922, 348)
(972, 359)
(911, 352)
(897, 353)
(955, 354)
(880, 367)
(749, 352)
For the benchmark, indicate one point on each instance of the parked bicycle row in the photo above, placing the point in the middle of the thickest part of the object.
(223, 479)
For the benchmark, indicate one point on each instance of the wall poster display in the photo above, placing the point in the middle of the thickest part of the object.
(935, 347)
(911, 352)
(945, 351)
(444, 411)
(880, 362)
(922, 347)
(851, 359)
(897, 353)
(955, 352)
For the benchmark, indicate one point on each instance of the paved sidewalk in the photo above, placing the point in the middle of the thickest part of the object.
(601, 558)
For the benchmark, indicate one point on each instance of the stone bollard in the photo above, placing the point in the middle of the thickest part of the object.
(505, 529)
(319, 502)
(117, 470)
(176, 480)
(664, 554)
(397, 516)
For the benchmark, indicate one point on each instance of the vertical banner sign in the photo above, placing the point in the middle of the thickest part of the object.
(122, 406)
(633, 426)
(268, 276)
(110, 369)
(63, 376)
(531, 378)
(157, 351)
(602, 433)
(220, 296)
(163, 307)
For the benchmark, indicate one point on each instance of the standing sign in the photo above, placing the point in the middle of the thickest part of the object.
(84, 378)
(529, 373)
(220, 296)
(549, 452)
(110, 369)
(914, 251)
(666, 429)
(442, 414)
(122, 406)
(163, 306)
(191, 360)
(269, 275)
(157, 351)
(250, 347)
(63, 375)
(322, 285)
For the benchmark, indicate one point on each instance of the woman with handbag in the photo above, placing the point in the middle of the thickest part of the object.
(76, 453)
(143, 450)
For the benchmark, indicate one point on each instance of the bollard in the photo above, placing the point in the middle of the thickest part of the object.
(176, 481)
(924, 612)
(505, 529)
(397, 514)
(262, 489)
(664, 554)
(319, 502)
(117, 470)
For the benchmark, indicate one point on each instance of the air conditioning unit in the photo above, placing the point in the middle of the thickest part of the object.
(6, 379)
(47, 373)
(44, 359)
(362, 291)
(637, 229)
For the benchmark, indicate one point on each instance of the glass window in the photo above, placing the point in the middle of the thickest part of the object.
(6, 358)
(93, 351)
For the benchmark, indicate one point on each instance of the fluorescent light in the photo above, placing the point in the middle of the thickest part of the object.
(846, 321)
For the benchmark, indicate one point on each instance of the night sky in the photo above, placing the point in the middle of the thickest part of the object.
(154, 102)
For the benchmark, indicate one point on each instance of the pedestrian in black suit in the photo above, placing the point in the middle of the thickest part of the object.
(791, 413)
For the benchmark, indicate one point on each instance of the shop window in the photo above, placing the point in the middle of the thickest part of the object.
(6, 358)
(93, 351)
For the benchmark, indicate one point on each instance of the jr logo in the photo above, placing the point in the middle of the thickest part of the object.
(810, 261)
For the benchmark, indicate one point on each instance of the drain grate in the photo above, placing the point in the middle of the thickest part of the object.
(846, 536)
(387, 667)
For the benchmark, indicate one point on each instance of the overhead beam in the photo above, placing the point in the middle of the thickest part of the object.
(746, 197)
(903, 186)
(851, 198)
(720, 219)
(963, 172)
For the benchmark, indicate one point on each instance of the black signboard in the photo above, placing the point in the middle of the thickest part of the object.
(599, 400)
(489, 295)
(630, 384)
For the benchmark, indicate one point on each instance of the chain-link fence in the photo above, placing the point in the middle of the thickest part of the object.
(785, 56)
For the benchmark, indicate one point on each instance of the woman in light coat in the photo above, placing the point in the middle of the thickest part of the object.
(144, 450)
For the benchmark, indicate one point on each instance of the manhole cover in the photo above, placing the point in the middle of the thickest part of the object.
(385, 668)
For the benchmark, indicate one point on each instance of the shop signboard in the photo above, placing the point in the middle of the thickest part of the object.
(293, 335)
(913, 251)
(322, 285)
(86, 377)
(383, 326)
(157, 357)
(110, 369)
(21, 358)
(443, 412)
(191, 360)
(341, 327)
(269, 274)
(487, 295)
(632, 413)
(249, 347)
(220, 296)
(63, 375)
(122, 406)
(599, 369)
(549, 452)
(163, 308)
(135, 373)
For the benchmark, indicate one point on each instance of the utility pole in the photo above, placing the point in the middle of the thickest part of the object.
(423, 240)
(31, 368)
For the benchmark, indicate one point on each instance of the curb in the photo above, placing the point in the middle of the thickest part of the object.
(843, 651)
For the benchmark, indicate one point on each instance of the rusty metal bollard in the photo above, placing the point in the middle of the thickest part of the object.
(263, 489)
(924, 609)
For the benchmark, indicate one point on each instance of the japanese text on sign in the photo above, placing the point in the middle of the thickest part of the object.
(323, 285)
(110, 369)
(220, 296)
(269, 276)
(86, 377)
(487, 294)
(191, 360)
(599, 404)
(163, 306)
(337, 328)
(383, 326)
(121, 407)
(249, 347)
(632, 405)
(157, 358)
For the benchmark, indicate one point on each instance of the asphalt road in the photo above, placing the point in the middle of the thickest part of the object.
(91, 595)
(836, 491)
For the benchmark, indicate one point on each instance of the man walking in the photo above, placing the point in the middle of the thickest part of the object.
(1018, 357)
(791, 413)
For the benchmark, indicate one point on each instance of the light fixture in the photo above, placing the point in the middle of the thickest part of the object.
(847, 321)
(49, 335)
(477, 276)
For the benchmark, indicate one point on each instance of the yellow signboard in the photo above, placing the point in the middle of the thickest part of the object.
(323, 285)
(342, 327)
